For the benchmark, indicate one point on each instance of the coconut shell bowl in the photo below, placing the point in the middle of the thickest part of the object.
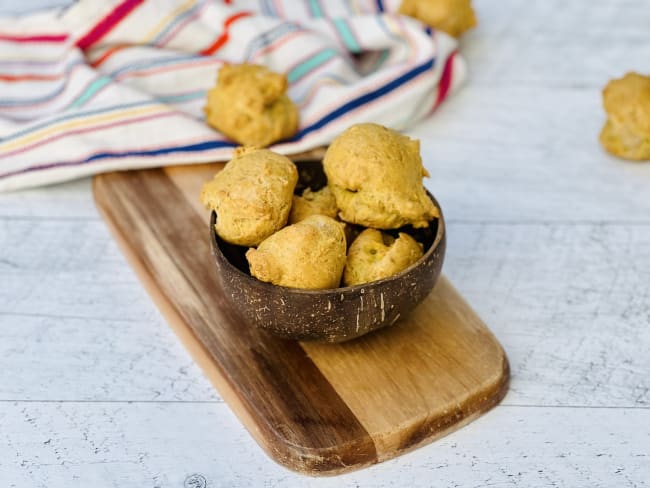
(330, 315)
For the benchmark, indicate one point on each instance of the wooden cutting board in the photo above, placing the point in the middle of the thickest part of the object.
(314, 408)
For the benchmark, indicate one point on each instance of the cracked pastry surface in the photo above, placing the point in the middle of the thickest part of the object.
(451, 16)
(376, 175)
(321, 202)
(627, 130)
(375, 255)
(251, 195)
(249, 104)
(309, 254)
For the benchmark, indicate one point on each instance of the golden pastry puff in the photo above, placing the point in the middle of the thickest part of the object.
(319, 202)
(375, 175)
(451, 16)
(309, 254)
(249, 105)
(251, 195)
(375, 255)
(627, 131)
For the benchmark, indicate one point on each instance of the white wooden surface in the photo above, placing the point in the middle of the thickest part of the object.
(549, 241)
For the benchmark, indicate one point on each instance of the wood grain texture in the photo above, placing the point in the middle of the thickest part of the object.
(161, 444)
(303, 420)
(75, 323)
(314, 408)
(548, 240)
(438, 370)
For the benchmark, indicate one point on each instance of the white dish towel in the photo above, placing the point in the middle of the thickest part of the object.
(121, 84)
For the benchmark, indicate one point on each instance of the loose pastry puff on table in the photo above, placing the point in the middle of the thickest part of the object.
(626, 133)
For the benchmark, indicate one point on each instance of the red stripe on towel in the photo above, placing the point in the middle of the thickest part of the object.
(107, 54)
(13, 78)
(108, 23)
(223, 38)
(34, 38)
(445, 80)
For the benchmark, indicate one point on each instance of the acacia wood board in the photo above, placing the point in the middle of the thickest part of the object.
(314, 408)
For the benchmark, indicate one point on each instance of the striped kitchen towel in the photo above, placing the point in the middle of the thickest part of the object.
(120, 84)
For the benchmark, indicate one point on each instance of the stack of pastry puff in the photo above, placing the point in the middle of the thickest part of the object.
(374, 184)
(334, 235)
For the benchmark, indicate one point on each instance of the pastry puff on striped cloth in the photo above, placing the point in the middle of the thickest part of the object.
(121, 84)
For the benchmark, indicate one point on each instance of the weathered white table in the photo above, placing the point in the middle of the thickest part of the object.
(549, 240)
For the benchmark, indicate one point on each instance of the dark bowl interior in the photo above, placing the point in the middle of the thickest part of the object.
(332, 315)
